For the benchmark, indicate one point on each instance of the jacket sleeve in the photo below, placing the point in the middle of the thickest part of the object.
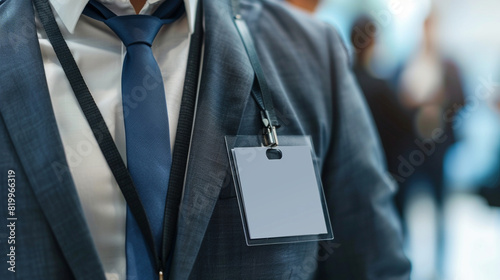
(359, 191)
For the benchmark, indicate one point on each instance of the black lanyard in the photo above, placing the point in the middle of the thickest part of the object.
(260, 91)
(107, 145)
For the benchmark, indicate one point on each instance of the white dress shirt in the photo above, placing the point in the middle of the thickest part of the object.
(99, 54)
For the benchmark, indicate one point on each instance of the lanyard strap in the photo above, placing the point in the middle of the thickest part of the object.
(260, 91)
(107, 145)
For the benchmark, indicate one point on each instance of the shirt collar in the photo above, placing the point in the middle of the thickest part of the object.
(69, 11)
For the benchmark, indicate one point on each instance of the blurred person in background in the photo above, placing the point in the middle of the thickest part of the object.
(430, 90)
(393, 123)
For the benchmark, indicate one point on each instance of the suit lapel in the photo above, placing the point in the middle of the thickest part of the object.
(227, 78)
(27, 111)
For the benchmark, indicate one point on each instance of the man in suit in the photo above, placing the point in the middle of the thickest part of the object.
(70, 213)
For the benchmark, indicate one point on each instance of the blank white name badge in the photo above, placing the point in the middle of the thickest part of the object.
(279, 190)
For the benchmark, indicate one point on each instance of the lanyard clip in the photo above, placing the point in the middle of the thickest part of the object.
(269, 130)
(270, 136)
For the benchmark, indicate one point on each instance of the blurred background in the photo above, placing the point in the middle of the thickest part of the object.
(430, 72)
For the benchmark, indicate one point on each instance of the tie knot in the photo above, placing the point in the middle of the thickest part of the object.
(135, 29)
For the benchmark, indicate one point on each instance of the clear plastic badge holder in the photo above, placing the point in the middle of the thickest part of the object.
(279, 190)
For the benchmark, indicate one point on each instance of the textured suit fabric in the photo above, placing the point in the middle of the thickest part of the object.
(52, 238)
(299, 57)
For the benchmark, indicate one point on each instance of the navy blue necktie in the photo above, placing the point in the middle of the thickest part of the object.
(146, 124)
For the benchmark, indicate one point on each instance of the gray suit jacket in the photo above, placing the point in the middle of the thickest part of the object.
(314, 93)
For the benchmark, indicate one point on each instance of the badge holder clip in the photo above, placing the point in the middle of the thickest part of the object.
(269, 131)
